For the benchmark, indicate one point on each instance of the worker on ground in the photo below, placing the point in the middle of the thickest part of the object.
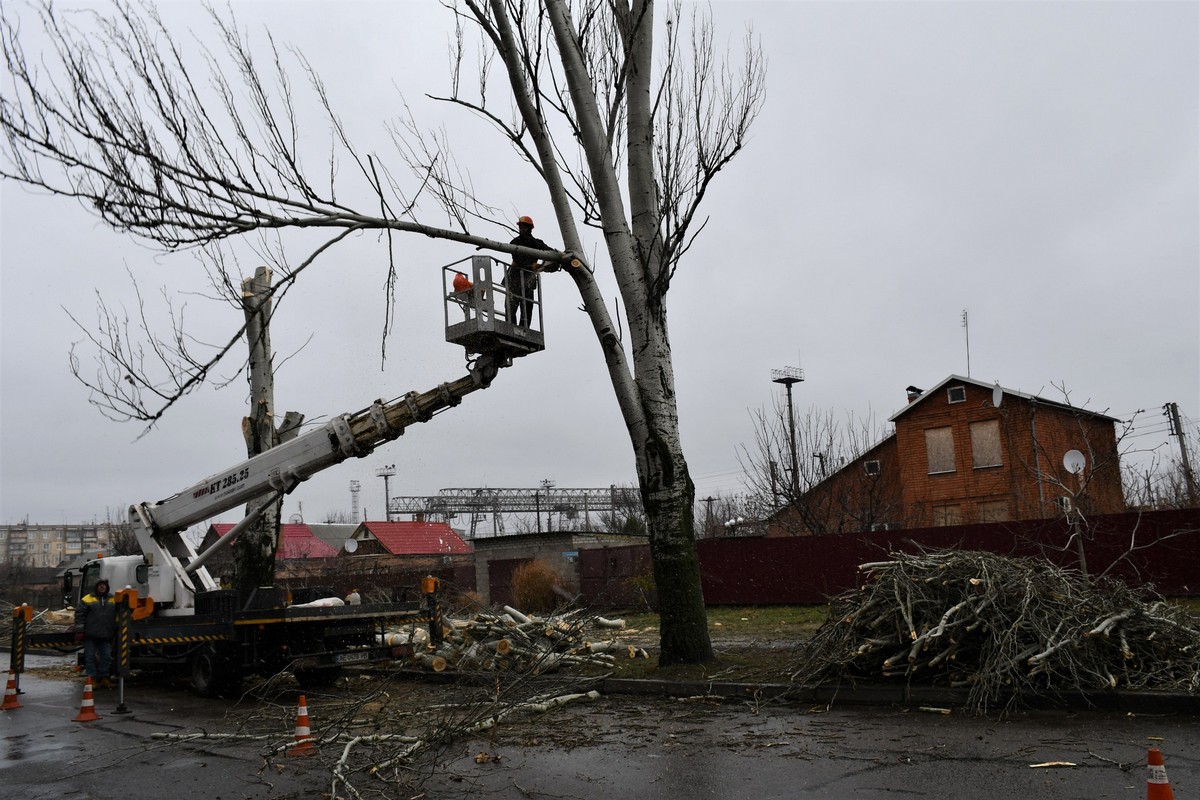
(354, 598)
(521, 278)
(95, 627)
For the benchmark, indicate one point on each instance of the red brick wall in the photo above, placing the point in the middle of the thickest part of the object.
(850, 499)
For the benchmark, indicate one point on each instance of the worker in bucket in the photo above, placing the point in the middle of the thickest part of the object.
(521, 278)
(95, 628)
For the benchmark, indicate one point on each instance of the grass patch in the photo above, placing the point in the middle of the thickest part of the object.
(1189, 604)
(751, 643)
(773, 622)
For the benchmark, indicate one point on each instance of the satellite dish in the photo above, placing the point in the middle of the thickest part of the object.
(1074, 462)
(296, 519)
(351, 545)
(997, 396)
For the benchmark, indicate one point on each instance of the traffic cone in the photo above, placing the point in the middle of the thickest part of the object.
(304, 744)
(10, 693)
(1157, 785)
(87, 709)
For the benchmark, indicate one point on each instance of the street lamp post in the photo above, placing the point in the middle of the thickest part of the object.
(788, 376)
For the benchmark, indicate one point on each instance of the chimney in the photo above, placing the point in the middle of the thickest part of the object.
(914, 393)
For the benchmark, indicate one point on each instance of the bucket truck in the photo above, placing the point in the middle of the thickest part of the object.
(178, 617)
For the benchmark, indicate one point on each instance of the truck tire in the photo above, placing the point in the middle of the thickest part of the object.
(317, 677)
(212, 674)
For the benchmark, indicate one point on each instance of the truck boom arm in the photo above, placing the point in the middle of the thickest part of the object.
(159, 526)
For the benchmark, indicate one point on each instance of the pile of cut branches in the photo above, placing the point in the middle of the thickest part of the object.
(1002, 627)
(513, 641)
(41, 621)
(386, 734)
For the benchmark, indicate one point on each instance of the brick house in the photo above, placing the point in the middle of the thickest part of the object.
(957, 456)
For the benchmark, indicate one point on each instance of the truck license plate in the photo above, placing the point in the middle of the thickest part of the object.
(352, 658)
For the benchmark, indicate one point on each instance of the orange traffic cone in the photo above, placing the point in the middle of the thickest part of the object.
(304, 744)
(1157, 785)
(87, 709)
(10, 693)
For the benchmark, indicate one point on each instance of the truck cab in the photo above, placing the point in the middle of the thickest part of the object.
(121, 572)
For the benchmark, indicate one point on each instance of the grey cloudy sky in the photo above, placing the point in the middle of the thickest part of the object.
(1034, 163)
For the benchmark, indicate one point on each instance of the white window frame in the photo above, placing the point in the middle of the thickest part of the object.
(950, 394)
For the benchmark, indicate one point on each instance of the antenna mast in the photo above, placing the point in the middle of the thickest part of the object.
(967, 333)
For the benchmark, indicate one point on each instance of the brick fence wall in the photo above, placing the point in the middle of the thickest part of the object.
(1160, 548)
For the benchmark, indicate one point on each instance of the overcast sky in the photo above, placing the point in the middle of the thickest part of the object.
(1033, 163)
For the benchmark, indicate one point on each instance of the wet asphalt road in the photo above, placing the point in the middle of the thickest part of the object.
(44, 754)
(616, 747)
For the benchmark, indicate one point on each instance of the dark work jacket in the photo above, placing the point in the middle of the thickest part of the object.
(96, 616)
(520, 277)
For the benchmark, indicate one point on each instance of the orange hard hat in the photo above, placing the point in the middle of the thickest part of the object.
(525, 221)
(461, 282)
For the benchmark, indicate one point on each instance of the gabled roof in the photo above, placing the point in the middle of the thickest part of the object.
(296, 541)
(333, 534)
(959, 379)
(414, 538)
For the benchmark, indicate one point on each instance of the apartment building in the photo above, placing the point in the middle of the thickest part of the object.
(39, 546)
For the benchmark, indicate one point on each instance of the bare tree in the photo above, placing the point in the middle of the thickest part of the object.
(1159, 484)
(824, 444)
(125, 127)
(626, 515)
(733, 515)
(122, 541)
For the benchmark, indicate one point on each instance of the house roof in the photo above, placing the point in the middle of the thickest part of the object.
(296, 541)
(414, 538)
(957, 379)
(333, 534)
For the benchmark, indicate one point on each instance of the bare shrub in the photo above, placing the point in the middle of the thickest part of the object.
(536, 586)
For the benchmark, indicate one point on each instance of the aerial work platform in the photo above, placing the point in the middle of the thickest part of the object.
(478, 311)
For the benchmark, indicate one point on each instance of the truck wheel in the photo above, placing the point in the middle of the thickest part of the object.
(212, 674)
(318, 677)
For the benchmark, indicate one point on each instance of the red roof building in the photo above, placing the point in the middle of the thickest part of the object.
(408, 539)
(296, 542)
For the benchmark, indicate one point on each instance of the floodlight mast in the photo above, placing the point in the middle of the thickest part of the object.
(789, 376)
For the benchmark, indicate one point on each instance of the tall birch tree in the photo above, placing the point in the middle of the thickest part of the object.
(627, 130)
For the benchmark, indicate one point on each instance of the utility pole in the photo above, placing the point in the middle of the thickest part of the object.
(708, 501)
(789, 376)
(1171, 410)
(386, 472)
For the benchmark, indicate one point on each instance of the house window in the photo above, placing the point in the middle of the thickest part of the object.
(939, 449)
(956, 394)
(947, 515)
(985, 443)
(871, 467)
(993, 511)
